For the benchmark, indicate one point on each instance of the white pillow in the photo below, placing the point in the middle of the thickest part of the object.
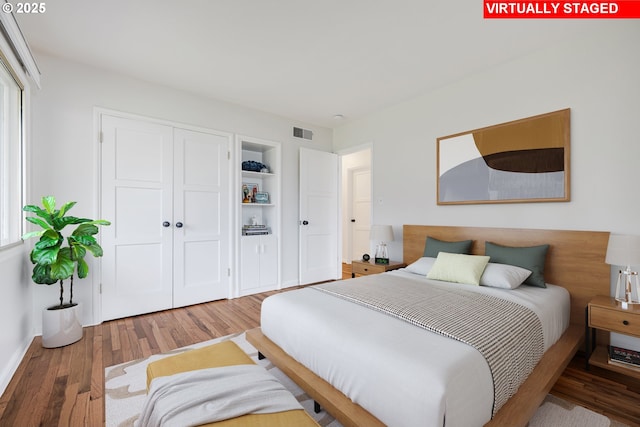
(421, 266)
(458, 268)
(503, 276)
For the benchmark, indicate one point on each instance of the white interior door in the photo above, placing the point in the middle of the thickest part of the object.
(360, 211)
(137, 175)
(318, 216)
(201, 216)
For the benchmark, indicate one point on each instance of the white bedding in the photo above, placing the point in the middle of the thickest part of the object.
(402, 374)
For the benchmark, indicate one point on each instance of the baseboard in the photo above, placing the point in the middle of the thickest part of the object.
(289, 284)
(10, 369)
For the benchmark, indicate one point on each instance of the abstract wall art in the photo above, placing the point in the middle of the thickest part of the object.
(525, 160)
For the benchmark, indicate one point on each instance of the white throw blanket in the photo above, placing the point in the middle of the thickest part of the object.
(209, 395)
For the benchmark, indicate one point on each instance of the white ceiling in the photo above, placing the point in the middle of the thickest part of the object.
(306, 60)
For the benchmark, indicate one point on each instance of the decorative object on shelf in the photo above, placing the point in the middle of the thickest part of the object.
(624, 355)
(382, 234)
(249, 191)
(264, 169)
(262, 197)
(253, 166)
(624, 250)
(255, 230)
(54, 263)
(366, 257)
(245, 194)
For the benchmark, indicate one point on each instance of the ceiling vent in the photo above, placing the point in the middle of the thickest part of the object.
(302, 133)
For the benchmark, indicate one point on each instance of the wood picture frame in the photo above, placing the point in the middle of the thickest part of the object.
(521, 161)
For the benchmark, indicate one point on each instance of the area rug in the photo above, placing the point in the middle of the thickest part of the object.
(125, 392)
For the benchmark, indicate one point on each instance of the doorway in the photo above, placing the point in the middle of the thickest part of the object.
(356, 203)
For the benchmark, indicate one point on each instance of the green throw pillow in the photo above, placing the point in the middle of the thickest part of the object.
(531, 257)
(433, 247)
(458, 268)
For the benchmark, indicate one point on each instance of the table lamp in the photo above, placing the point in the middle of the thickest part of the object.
(624, 250)
(382, 234)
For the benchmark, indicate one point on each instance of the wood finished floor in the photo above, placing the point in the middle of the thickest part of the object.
(65, 386)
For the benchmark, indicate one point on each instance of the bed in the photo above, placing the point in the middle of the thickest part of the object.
(330, 346)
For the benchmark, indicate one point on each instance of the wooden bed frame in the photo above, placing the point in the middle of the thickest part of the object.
(575, 261)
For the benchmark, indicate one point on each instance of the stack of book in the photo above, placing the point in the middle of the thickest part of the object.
(624, 357)
(255, 230)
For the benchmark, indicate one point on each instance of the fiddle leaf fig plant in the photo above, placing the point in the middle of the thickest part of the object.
(55, 257)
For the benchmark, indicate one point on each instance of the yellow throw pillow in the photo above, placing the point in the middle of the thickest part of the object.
(458, 268)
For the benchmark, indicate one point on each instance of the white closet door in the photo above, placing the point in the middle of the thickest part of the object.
(137, 177)
(269, 261)
(259, 256)
(166, 192)
(250, 256)
(201, 205)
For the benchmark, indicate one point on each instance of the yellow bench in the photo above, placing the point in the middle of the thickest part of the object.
(226, 353)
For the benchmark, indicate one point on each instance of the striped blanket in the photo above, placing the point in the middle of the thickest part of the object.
(508, 335)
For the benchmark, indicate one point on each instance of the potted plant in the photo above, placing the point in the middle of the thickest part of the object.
(57, 258)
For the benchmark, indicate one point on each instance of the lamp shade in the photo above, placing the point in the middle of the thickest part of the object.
(623, 250)
(382, 233)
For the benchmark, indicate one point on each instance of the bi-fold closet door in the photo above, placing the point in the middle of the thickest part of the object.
(166, 191)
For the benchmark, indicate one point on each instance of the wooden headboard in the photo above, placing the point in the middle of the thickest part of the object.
(575, 259)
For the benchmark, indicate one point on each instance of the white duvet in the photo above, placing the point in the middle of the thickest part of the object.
(402, 374)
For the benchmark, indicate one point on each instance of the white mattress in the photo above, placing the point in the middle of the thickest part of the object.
(402, 374)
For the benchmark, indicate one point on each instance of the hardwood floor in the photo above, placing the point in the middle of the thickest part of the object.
(65, 386)
(600, 390)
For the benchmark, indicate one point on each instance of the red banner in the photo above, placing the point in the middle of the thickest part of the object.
(623, 9)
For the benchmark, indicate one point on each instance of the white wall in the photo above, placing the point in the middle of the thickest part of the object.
(597, 77)
(15, 310)
(65, 151)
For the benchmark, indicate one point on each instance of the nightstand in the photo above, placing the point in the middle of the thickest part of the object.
(605, 313)
(364, 268)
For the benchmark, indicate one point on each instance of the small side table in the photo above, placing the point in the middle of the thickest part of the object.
(605, 313)
(364, 268)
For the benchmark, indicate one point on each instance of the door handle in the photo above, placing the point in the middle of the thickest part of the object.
(305, 222)
(178, 224)
(353, 220)
(166, 224)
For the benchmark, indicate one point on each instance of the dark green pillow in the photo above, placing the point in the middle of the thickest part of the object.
(530, 257)
(433, 247)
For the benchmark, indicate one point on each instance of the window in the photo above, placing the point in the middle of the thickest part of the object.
(11, 97)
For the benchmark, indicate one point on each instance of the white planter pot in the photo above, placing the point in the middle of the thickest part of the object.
(61, 327)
